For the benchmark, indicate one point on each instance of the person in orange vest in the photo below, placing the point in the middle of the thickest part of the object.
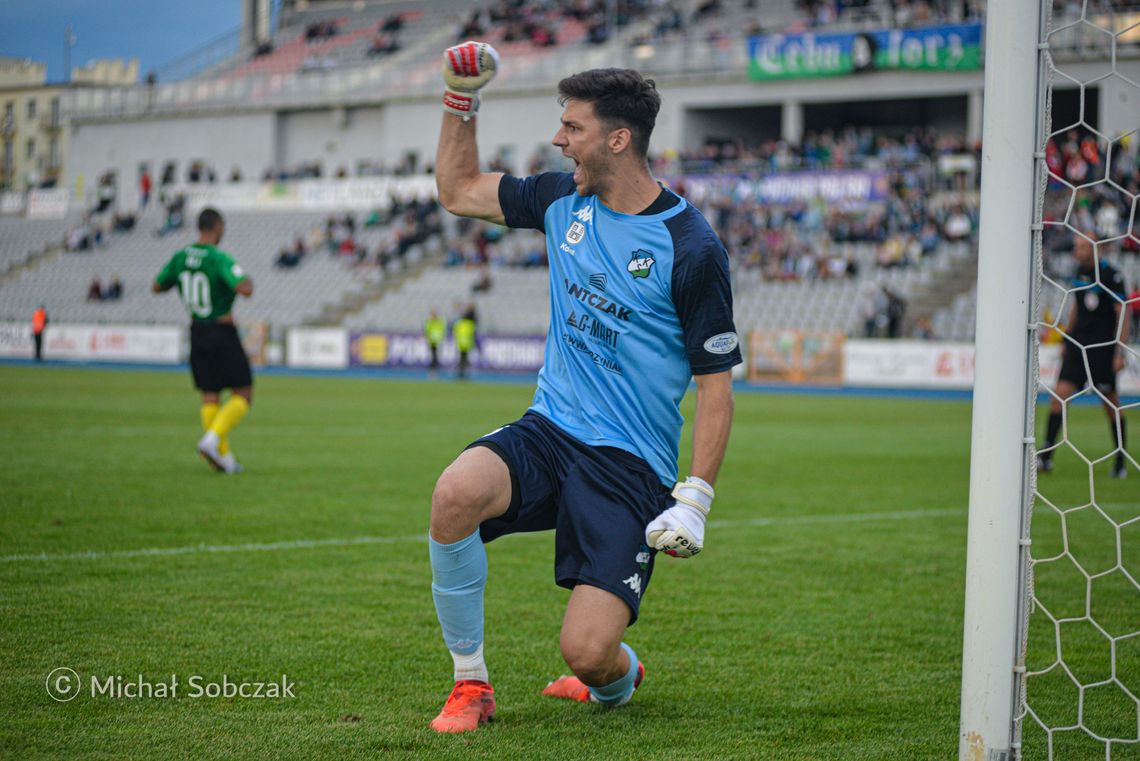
(39, 323)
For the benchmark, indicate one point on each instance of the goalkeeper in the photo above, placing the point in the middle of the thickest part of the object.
(640, 303)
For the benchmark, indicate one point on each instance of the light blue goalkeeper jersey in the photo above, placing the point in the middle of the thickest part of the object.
(639, 303)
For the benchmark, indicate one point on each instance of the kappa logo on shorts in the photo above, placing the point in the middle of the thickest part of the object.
(634, 583)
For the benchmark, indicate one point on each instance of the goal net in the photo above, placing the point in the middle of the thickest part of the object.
(1051, 664)
(1080, 645)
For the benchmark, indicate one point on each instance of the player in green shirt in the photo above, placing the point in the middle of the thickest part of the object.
(209, 280)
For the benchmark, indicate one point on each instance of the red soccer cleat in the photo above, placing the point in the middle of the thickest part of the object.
(573, 688)
(470, 704)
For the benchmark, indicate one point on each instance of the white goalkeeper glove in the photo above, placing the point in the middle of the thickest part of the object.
(467, 68)
(680, 530)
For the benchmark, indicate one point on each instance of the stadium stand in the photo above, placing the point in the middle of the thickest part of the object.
(23, 239)
(284, 297)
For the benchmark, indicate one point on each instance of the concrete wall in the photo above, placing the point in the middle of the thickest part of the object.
(335, 137)
(1120, 101)
(519, 123)
(523, 122)
(225, 140)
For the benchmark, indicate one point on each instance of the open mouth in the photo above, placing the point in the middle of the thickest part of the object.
(577, 172)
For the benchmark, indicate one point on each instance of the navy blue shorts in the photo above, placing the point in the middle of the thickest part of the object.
(597, 499)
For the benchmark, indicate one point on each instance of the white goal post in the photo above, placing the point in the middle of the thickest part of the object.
(1005, 385)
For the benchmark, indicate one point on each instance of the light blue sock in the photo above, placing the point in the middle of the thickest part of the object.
(620, 690)
(459, 574)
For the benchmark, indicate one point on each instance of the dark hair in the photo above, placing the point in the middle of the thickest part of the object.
(621, 98)
(209, 219)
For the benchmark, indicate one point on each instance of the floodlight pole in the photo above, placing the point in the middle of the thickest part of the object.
(1004, 383)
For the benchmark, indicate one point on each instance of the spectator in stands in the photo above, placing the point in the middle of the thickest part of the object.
(321, 30)
(95, 290)
(873, 310)
(348, 246)
(896, 311)
(124, 222)
(175, 211)
(114, 290)
(39, 325)
(383, 44)
(1134, 311)
(105, 192)
(144, 187)
(393, 23)
(958, 225)
(235, 174)
(474, 28)
(83, 236)
(923, 330)
(484, 283)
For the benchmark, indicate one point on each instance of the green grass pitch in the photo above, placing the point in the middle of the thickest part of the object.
(823, 621)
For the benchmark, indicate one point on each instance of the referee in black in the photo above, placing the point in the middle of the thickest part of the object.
(1098, 294)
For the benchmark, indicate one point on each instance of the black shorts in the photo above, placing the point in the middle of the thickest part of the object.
(217, 359)
(598, 499)
(1100, 363)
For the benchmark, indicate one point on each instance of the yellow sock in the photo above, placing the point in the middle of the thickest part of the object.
(229, 416)
(209, 412)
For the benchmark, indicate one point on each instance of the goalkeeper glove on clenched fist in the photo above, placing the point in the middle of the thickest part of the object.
(466, 69)
(680, 530)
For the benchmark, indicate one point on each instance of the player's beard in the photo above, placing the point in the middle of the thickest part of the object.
(591, 177)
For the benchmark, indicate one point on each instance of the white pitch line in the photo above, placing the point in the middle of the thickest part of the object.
(301, 544)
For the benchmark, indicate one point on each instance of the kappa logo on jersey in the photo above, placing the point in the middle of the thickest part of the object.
(598, 281)
(576, 232)
(585, 214)
(634, 583)
(640, 263)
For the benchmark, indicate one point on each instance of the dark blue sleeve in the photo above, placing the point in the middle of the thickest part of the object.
(524, 201)
(702, 295)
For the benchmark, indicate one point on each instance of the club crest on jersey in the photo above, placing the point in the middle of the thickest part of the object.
(640, 263)
(576, 232)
